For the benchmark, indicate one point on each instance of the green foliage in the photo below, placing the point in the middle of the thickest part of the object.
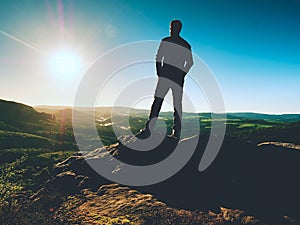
(28, 171)
(22, 140)
(10, 155)
(16, 113)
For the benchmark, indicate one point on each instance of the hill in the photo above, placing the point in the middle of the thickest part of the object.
(267, 117)
(16, 114)
(31, 143)
(21, 126)
(142, 112)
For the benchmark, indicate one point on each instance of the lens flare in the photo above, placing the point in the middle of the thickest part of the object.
(65, 63)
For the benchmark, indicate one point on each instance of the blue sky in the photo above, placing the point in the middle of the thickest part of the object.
(252, 46)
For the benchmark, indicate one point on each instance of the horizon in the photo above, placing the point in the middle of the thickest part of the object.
(251, 48)
(226, 112)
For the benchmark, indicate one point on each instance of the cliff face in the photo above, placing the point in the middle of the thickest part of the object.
(260, 181)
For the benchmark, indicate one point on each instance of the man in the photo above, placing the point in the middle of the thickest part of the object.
(173, 61)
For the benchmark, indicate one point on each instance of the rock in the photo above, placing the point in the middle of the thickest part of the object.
(288, 146)
(126, 206)
(244, 183)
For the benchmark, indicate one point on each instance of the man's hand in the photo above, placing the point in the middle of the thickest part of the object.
(158, 68)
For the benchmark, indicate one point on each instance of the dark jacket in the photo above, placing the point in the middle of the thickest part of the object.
(174, 58)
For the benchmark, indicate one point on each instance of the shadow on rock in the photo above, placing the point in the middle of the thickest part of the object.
(260, 180)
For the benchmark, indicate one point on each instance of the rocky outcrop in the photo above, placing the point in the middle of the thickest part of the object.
(243, 178)
(115, 204)
(285, 145)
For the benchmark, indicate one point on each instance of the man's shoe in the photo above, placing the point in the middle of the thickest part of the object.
(175, 134)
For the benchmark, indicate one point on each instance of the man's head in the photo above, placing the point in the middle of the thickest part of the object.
(175, 27)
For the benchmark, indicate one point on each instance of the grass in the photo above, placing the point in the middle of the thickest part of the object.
(247, 125)
(26, 172)
(19, 139)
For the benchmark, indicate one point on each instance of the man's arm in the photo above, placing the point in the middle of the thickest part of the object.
(159, 58)
(189, 60)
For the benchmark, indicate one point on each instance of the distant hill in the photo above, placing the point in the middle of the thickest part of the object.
(100, 111)
(268, 117)
(21, 126)
(15, 114)
(50, 109)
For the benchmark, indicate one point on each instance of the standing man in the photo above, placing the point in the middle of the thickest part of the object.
(173, 61)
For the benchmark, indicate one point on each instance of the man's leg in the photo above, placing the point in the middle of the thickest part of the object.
(177, 92)
(155, 109)
(162, 87)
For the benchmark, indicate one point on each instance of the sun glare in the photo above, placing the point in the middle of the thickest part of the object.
(65, 63)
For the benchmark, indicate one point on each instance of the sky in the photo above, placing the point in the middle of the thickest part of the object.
(250, 46)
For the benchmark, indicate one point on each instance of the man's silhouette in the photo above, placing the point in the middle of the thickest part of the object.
(173, 61)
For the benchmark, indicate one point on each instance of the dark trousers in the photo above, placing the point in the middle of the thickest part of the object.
(162, 88)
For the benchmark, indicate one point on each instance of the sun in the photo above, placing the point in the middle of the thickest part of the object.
(65, 63)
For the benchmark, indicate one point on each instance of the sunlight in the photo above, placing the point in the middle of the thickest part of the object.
(65, 63)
